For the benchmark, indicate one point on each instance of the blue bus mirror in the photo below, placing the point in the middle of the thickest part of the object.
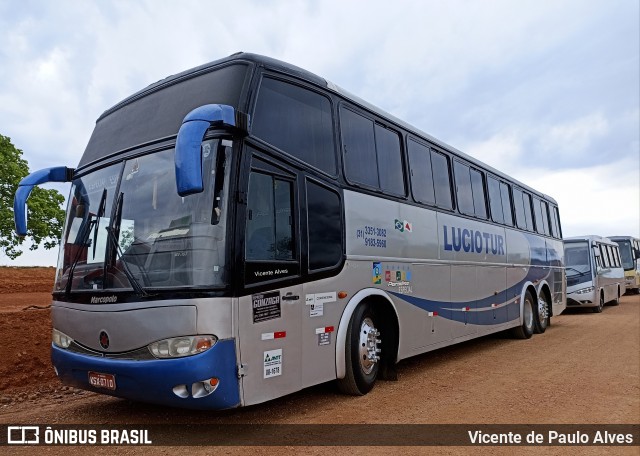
(188, 156)
(57, 174)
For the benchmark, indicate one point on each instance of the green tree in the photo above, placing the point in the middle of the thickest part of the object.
(45, 213)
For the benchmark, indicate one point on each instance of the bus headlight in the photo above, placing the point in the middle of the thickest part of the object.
(177, 347)
(60, 339)
(585, 290)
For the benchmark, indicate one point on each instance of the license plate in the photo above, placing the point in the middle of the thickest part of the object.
(99, 380)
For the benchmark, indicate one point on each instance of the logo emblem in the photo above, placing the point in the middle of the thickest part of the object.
(104, 340)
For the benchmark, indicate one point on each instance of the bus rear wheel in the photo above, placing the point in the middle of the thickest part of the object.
(541, 314)
(362, 352)
(525, 331)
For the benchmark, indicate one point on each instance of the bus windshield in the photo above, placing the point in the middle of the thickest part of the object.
(128, 228)
(625, 255)
(577, 262)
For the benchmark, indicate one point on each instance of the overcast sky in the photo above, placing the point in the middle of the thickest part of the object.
(547, 91)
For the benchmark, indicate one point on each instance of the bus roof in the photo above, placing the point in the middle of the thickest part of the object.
(287, 68)
(591, 238)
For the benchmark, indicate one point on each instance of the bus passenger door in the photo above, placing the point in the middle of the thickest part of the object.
(269, 313)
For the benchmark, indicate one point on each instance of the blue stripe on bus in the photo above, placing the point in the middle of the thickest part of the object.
(153, 380)
(481, 311)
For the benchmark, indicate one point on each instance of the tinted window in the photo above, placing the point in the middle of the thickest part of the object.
(325, 226)
(555, 223)
(269, 218)
(297, 121)
(537, 211)
(495, 200)
(372, 153)
(606, 262)
(518, 203)
(527, 210)
(421, 176)
(612, 255)
(556, 217)
(389, 161)
(545, 217)
(463, 188)
(441, 179)
(506, 204)
(479, 200)
(359, 148)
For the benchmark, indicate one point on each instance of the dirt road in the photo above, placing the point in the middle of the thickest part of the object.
(584, 369)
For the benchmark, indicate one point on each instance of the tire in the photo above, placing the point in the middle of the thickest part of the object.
(525, 331)
(600, 306)
(362, 354)
(541, 315)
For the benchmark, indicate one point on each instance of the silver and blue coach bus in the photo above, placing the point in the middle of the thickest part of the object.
(594, 272)
(630, 255)
(247, 229)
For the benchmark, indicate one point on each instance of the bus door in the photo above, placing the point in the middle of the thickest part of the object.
(270, 312)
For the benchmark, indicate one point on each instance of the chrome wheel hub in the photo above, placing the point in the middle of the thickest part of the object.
(543, 311)
(368, 346)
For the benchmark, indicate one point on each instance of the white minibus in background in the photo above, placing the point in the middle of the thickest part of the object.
(630, 256)
(594, 272)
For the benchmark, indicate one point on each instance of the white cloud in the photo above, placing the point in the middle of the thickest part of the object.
(574, 138)
(602, 200)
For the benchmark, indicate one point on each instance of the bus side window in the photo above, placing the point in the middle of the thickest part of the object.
(389, 154)
(324, 221)
(495, 200)
(296, 120)
(421, 175)
(539, 208)
(372, 153)
(269, 218)
(518, 202)
(441, 180)
(556, 221)
(506, 204)
(463, 188)
(479, 196)
(527, 211)
(545, 217)
(359, 147)
(612, 256)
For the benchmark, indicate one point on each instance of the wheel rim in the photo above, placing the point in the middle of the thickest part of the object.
(543, 311)
(528, 313)
(368, 346)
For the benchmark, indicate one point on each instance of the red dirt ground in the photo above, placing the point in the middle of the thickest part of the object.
(25, 329)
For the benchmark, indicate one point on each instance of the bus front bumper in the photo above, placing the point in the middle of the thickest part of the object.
(177, 382)
(582, 298)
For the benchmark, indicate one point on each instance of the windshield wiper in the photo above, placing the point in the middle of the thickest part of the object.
(579, 272)
(101, 209)
(113, 238)
(91, 225)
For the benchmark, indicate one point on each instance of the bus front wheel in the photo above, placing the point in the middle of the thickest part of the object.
(362, 352)
(525, 331)
(600, 305)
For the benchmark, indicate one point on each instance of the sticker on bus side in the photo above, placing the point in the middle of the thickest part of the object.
(266, 306)
(272, 363)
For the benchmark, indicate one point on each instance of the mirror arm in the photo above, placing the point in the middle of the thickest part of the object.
(26, 185)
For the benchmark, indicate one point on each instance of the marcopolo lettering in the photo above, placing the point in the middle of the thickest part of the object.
(103, 299)
(472, 241)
